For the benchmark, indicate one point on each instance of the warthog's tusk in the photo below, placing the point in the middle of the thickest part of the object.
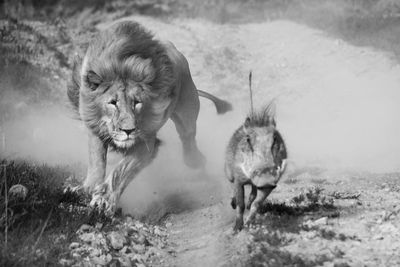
(280, 170)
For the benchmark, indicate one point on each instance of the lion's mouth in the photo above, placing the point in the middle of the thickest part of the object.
(123, 140)
(124, 143)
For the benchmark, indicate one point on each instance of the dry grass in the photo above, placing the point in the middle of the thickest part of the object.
(40, 227)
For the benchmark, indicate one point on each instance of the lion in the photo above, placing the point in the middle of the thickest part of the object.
(124, 89)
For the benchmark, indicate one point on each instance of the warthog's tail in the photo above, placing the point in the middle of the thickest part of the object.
(222, 106)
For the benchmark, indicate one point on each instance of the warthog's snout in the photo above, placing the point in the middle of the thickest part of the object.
(267, 175)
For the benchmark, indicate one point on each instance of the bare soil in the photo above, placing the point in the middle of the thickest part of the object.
(336, 108)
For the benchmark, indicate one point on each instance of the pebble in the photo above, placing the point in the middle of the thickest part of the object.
(87, 237)
(95, 252)
(65, 262)
(99, 226)
(84, 228)
(158, 231)
(141, 240)
(139, 248)
(117, 240)
(101, 260)
(74, 245)
(321, 221)
(125, 262)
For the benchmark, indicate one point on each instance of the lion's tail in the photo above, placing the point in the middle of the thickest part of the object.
(222, 106)
(73, 87)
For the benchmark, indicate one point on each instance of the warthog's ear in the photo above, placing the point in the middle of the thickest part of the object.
(93, 80)
(269, 114)
(246, 124)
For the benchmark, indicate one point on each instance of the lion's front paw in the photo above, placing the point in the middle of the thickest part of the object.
(103, 200)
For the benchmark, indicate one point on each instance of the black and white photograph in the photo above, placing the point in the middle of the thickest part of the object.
(180, 133)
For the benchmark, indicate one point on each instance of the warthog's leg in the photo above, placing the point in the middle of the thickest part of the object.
(261, 196)
(97, 162)
(252, 196)
(108, 194)
(240, 206)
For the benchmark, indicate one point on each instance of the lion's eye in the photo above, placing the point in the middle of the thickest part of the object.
(136, 102)
(113, 102)
(93, 80)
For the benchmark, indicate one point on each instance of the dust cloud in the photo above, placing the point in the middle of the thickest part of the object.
(44, 135)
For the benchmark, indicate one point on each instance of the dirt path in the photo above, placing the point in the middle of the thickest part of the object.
(199, 237)
(334, 101)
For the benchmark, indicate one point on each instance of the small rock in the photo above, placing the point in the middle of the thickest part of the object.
(18, 191)
(114, 263)
(76, 255)
(84, 228)
(108, 258)
(310, 235)
(154, 251)
(60, 238)
(321, 221)
(168, 224)
(87, 237)
(139, 225)
(74, 245)
(139, 248)
(135, 257)
(101, 260)
(142, 240)
(389, 228)
(157, 231)
(129, 220)
(117, 240)
(125, 250)
(125, 262)
(99, 226)
(95, 252)
(377, 237)
(65, 262)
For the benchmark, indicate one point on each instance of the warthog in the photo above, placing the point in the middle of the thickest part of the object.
(256, 155)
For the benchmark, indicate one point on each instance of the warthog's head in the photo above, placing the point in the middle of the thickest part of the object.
(262, 152)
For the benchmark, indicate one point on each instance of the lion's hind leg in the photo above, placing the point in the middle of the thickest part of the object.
(185, 117)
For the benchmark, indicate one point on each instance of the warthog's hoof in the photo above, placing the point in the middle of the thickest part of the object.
(238, 225)
(249, 219)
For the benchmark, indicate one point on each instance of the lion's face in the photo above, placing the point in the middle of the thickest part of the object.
(122, 112)
(126, 84)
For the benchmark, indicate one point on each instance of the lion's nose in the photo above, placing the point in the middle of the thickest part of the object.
(128, 131)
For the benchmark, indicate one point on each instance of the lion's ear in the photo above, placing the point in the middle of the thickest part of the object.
(93, 80)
